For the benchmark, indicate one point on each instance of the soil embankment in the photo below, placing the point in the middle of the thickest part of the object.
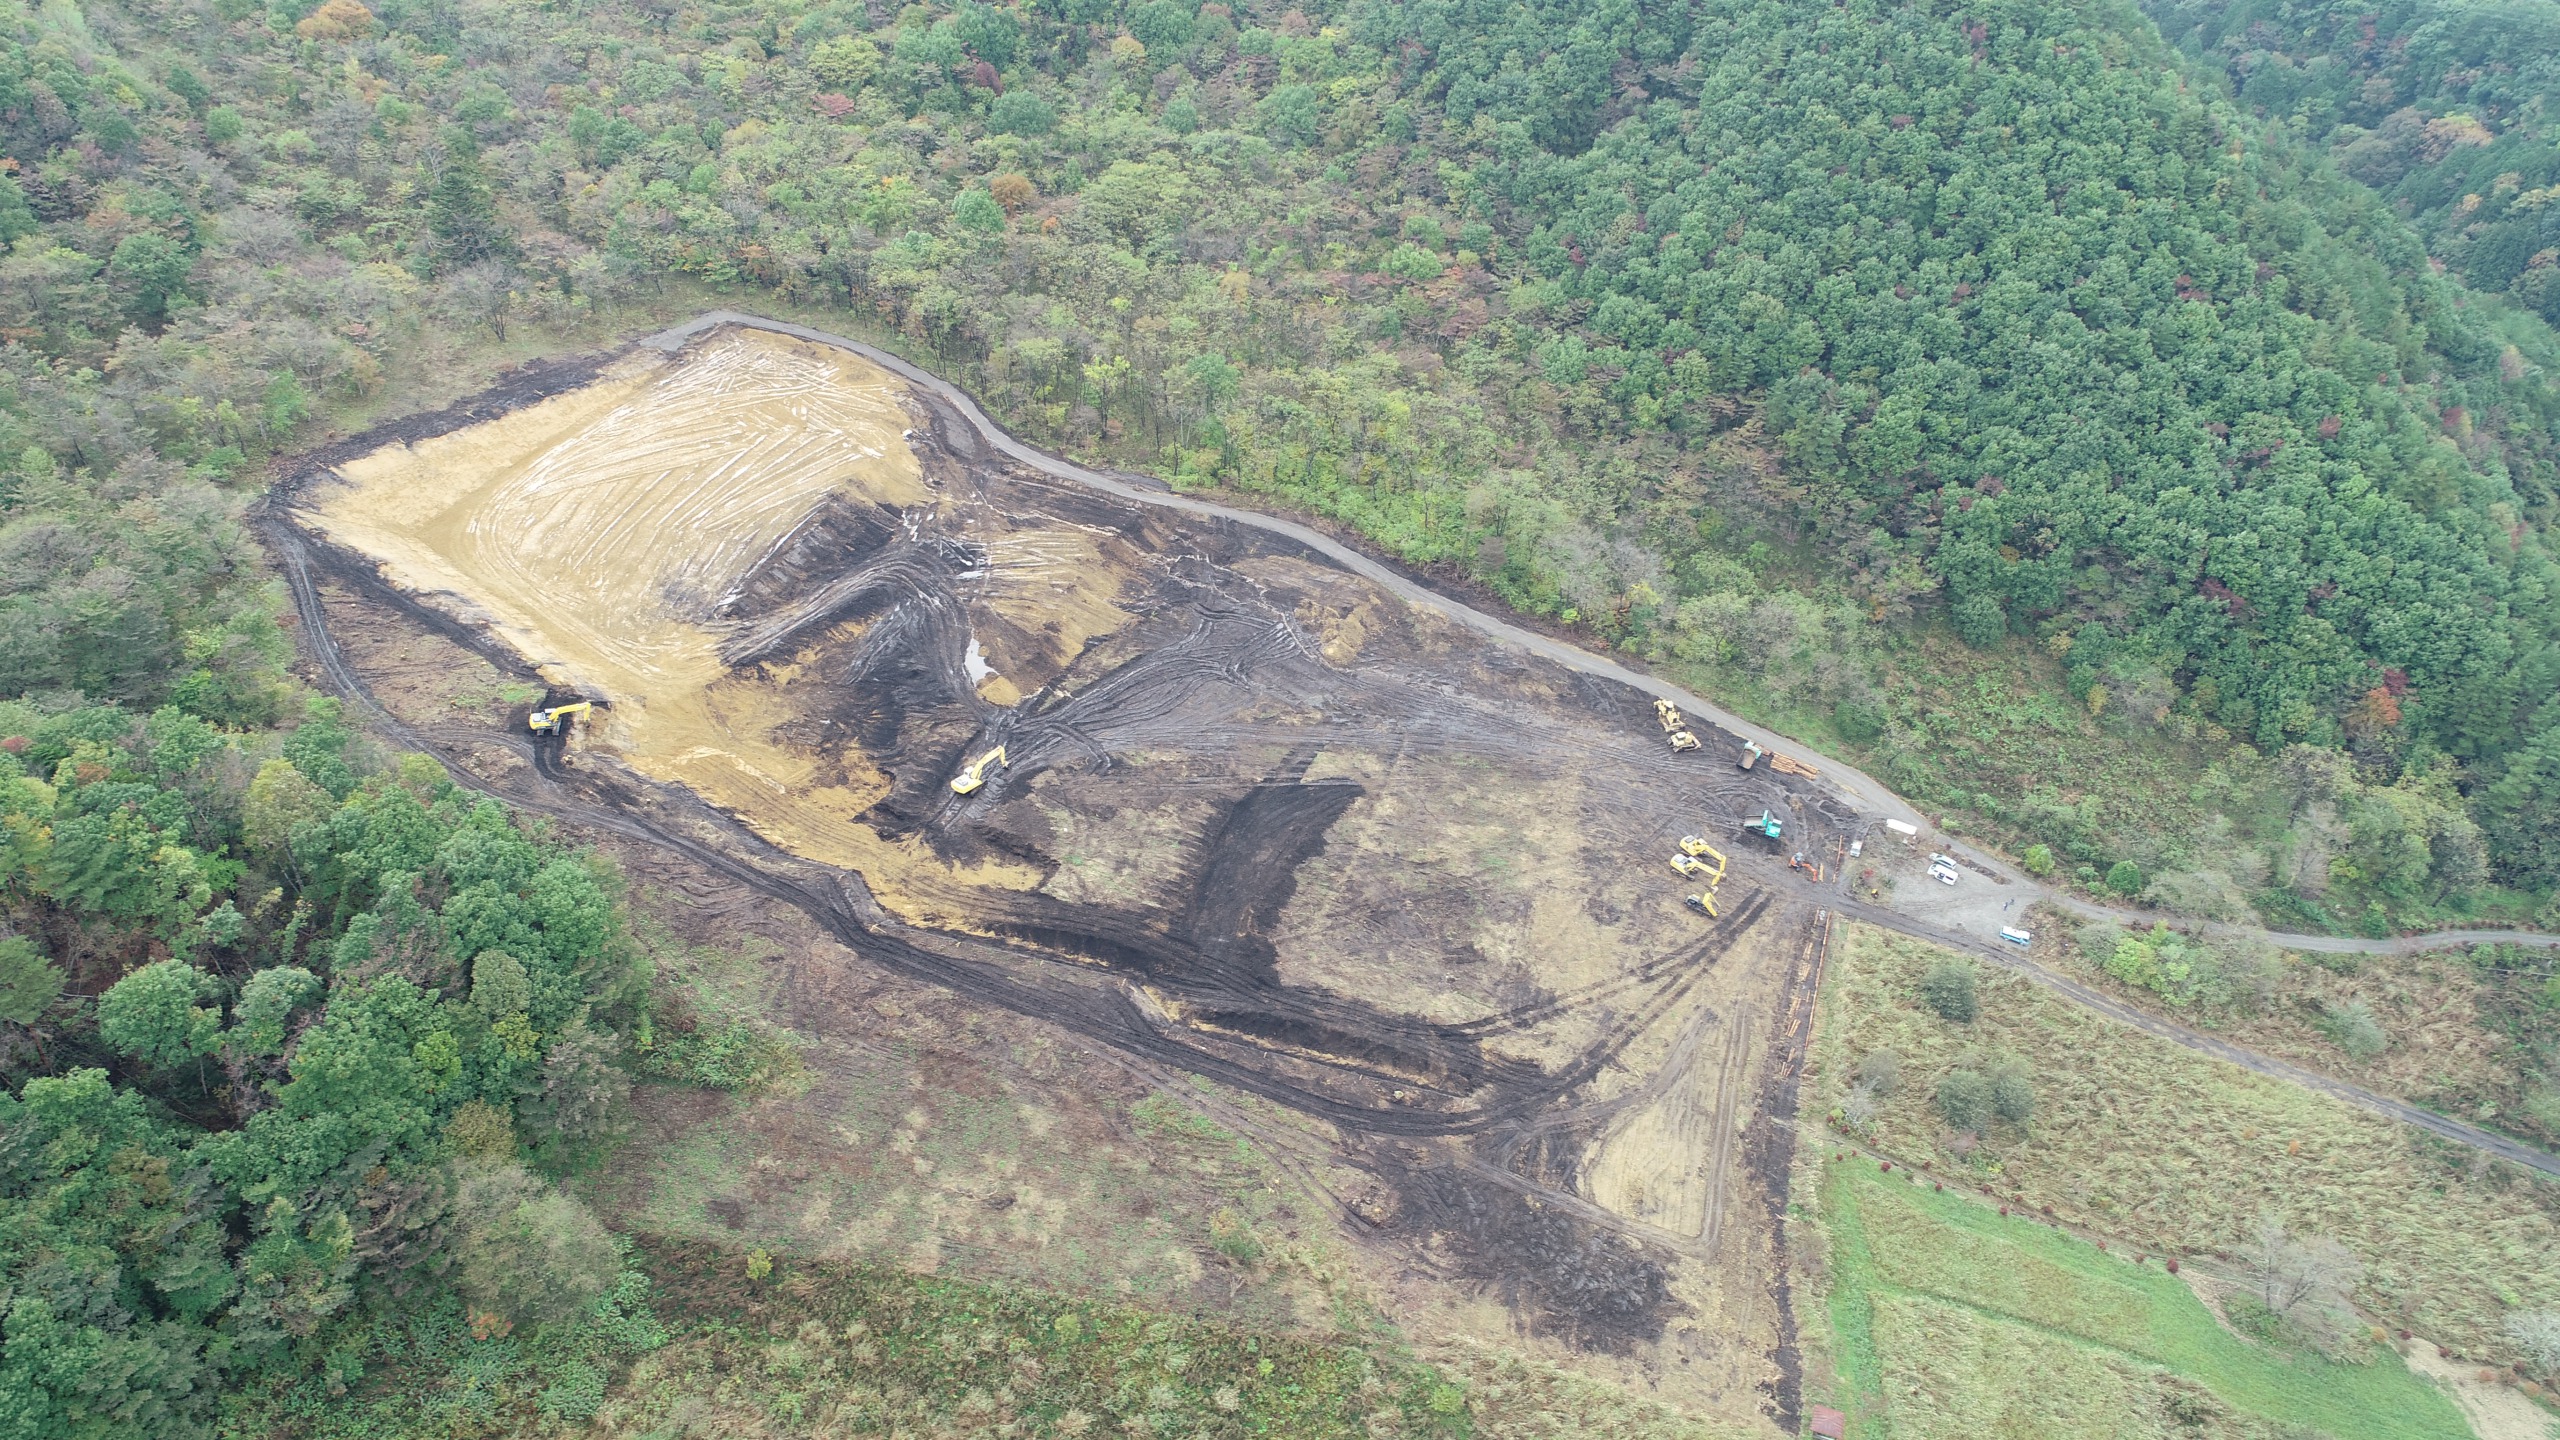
(1259, 819)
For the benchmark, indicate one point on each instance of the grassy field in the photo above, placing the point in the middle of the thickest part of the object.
(746, 1346)
(2179, 1154)
(1952, 1320)
(2470, 1035)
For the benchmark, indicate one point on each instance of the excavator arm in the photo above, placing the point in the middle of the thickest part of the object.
(969, 779)
(551, 721)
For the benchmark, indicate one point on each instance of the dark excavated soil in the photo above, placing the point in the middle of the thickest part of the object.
(1188, 976)
(1566, 1277)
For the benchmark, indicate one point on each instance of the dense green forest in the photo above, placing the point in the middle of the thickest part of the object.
(1754, 339)
(2446, 109)
(1764, 341)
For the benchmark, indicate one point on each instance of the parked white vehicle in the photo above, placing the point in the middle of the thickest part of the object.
(2016, 937)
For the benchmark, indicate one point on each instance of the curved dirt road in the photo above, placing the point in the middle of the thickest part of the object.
(1864, 791)
(1868, 793)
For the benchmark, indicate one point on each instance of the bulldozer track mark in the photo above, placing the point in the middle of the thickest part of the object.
(1703, 952)
(989, 972)
(1230, 653)
(1583, 1209)
(1737, 1044)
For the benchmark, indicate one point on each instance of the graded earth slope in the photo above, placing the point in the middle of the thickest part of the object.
(1259, 819)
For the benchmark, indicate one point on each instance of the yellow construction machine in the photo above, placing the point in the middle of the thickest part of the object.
(1673, 726)
(555, 720)
(967, 781)
(1704, 902)
(1689, 865)
(1692, 846)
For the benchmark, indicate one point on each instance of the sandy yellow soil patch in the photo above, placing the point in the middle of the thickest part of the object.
(597, 532)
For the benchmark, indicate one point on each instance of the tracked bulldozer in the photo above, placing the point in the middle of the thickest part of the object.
(1674, 728)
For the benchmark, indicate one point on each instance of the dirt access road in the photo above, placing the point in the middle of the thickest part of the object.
(1398, 888)
(1862, 790)
(1388, 869)
(1971, 926)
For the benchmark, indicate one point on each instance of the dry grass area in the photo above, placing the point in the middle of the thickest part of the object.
(2429, 1004)
(819, 1351)
(925, 1134)
(2465, 1039)
(2176, 1153)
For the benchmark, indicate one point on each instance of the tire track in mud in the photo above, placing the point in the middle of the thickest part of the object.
(1599, 1276)
(987, 971)
(1769, 1148)
(1864, 792)
(1737, 1043)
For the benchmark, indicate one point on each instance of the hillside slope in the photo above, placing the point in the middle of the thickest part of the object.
(1615, 309)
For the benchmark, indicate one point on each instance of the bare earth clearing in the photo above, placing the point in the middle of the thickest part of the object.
(1399, 891)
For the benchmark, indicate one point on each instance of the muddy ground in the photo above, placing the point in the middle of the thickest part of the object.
(1308, 951)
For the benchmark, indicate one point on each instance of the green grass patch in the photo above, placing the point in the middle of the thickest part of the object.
(866, 1350)
(815, 1349)
(1953, 1320)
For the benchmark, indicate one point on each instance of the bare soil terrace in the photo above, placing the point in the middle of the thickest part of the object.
(1399, 893)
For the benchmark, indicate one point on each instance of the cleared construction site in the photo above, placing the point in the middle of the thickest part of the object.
(1388, 898)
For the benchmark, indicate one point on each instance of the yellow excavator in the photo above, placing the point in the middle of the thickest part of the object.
(1691, 847)
(968, 780)
(555, 720)
(1704, 902)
